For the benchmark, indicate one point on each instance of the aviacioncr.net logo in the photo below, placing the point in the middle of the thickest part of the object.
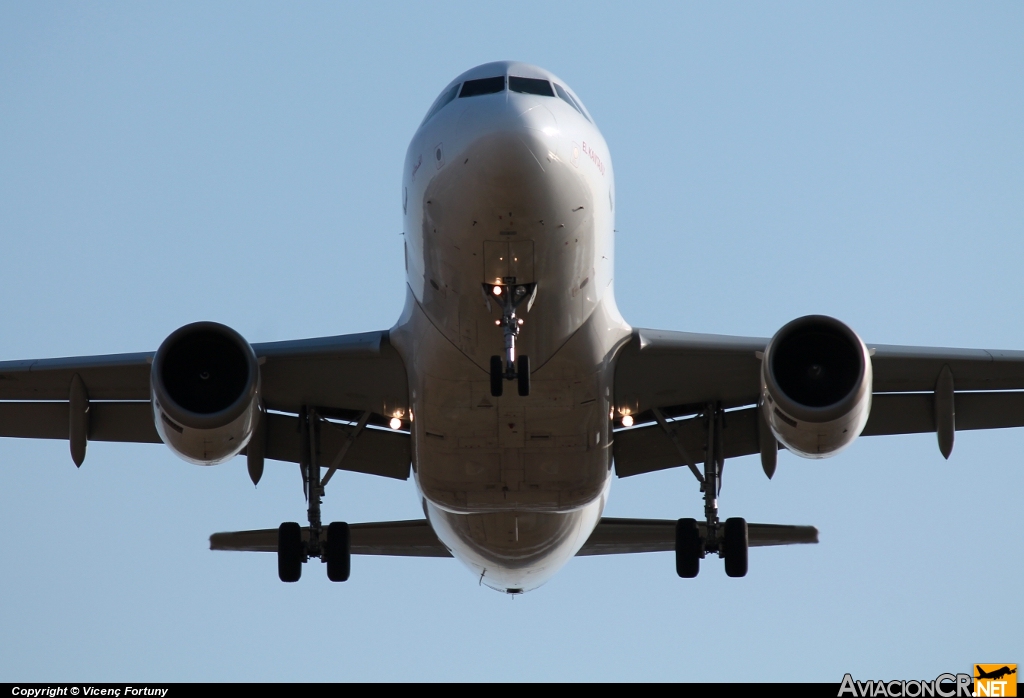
(995, 680)
(942, 686)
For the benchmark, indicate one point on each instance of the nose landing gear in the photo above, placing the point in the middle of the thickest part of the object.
(511, 296)
(520, 373)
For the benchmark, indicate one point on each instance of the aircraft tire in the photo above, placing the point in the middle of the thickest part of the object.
(339, 552)
(688, 548)
(497, 377)
(289, 552)
(736, 545)
(523, 375)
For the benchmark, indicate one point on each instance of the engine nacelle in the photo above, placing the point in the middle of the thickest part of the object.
(816, 386)
(205, 385)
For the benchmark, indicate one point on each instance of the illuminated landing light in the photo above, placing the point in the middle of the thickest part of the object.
(497, 322)
(497, 290)
(520, 321)
(395, 423)
(627, 421)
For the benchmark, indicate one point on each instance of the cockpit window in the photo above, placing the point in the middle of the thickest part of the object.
(530, 86)
(567, 98)
(442, 101)
(483, 86)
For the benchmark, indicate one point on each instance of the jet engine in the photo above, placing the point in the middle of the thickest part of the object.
(205, 385)
(816, 386)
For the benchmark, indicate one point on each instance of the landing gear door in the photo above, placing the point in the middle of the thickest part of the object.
(508, 262)
(520, 261)
(496, 267)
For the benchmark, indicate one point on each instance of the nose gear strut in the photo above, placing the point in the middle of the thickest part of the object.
(511, 295)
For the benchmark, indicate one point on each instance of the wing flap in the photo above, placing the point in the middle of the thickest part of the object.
(647, 449)
(108, 421)
(374, 452)
(914, 413)
(122, 421)
(34, 420)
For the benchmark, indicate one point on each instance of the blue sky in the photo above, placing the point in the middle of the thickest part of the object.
(241, 162)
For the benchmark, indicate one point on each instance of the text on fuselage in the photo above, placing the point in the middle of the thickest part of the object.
(588, 151)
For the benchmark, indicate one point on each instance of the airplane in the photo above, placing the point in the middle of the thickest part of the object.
(511, 390)
(995, 674)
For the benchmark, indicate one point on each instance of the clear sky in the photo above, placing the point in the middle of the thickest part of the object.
(162, 163)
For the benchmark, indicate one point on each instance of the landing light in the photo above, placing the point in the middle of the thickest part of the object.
(497, 290)
(395, 423)
(627, 421)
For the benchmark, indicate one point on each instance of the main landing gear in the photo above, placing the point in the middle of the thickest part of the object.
(295, 546)
(693, 541)
(511, 296)
(292, 551)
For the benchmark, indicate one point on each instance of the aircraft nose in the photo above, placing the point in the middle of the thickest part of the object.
(524, 117)
(529, 113)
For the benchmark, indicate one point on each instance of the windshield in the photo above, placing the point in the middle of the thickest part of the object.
(530, 86)
(442, 101)
(483, 86)
(567, 98)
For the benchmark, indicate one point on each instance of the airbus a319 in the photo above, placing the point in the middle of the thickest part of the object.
(511, 389)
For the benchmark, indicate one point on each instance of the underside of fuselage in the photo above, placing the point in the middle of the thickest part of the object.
(497, 193)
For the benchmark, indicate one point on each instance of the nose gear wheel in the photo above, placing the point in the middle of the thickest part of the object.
(510, 368)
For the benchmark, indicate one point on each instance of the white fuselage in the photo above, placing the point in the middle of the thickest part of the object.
(497, 186)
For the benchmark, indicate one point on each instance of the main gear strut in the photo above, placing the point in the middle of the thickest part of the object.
(730, 540)
(334, 548)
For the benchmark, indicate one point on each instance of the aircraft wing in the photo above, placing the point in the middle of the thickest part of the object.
(342, 377)
(678, 373)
